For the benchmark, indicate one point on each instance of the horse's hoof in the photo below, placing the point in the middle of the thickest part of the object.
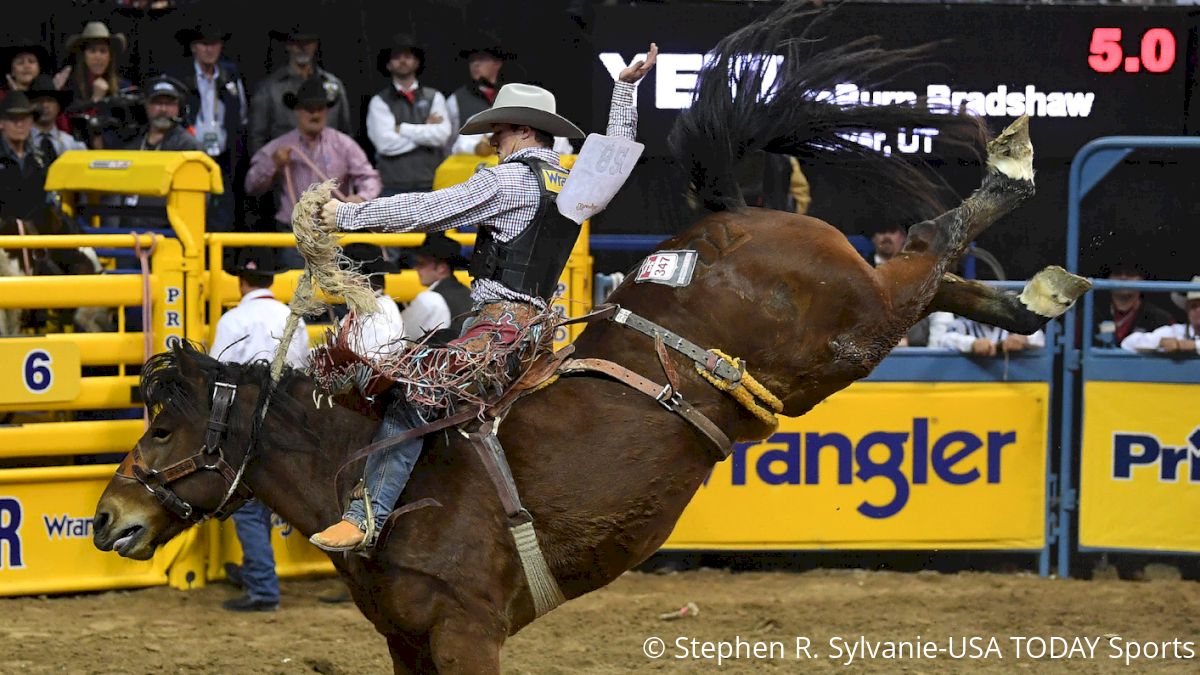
(1011, 153)
(1052, 291)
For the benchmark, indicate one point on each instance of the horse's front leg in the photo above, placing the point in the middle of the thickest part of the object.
(1047, 295)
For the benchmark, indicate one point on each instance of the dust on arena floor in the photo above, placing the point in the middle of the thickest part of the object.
(160, 630)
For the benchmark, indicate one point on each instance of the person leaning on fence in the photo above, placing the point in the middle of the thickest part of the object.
(250, 332)
(519, 255)
(310, 153)
(888, 238)
(445, 303)
(1127, 312)
(1178, 338)
(949, 331)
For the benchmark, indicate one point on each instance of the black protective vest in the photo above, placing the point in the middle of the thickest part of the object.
(532, 262)
(412, 171)
(458, 299)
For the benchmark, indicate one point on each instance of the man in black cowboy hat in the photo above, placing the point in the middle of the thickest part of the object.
(24, 61)
(269, 118)
(216, 109)
(520, 253)
(22, 167)
(164, 100)
(445, 303)
(485, 57)
(310, 153)
(250, 332)
(407, 123)
(49, 102)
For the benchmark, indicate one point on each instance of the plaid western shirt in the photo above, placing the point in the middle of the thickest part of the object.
(503, 198)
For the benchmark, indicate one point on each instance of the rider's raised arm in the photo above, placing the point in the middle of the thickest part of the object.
(622, 114)
(461, 205)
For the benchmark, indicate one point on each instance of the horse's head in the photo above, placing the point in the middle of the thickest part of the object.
(185, 466)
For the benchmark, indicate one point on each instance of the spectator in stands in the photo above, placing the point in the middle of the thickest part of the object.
(269, 117)
(446, 302)
(47, 137)
(1127, 312)
(483, 64)
(407, 123)
(887, 239)
(25, 61)
(949, 331)
(22, 167)
(164, 122)
(250, 332)
(1179, 338)
(95, 79)
(309, 154)
(216, 109)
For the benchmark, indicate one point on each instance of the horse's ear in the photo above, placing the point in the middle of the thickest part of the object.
(185, 356)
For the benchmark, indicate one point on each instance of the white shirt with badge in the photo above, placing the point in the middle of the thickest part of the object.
(252, 331)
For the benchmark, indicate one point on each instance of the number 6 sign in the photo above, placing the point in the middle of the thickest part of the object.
(38, 370)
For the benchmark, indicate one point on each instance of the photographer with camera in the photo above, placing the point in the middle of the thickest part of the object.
(101, 115)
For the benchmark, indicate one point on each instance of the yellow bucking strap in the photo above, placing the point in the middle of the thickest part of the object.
(746, 390)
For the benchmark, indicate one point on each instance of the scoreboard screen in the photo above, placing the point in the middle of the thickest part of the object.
(1079, 72)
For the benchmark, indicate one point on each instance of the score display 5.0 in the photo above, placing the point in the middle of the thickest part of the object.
(1156, 52)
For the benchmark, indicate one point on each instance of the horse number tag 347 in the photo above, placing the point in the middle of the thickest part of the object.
(673, 268)
(603, 166)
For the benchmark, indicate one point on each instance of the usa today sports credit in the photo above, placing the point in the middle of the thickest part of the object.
(849, 650)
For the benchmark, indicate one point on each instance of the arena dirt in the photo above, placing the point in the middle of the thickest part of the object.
(161, 630)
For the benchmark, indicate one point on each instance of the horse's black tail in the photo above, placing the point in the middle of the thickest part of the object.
(734, 115)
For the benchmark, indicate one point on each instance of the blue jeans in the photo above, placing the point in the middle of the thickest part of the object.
(253, 523)
(388, 471)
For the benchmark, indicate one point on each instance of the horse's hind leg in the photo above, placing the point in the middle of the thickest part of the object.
(1047, 295)
(1009, 181)
(934, 245)
(461, 646)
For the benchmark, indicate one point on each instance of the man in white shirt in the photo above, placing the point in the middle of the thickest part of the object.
(407, 123)
(1178, 338)
(445, 303)
(381, 332)
(249, 332)
(948, 331)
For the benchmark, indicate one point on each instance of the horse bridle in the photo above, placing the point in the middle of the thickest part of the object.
(211, 457)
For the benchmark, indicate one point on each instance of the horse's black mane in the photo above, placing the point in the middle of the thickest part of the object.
(730, 120)
(166, 387)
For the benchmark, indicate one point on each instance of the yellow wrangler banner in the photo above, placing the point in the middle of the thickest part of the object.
(46, 535)
(37, 370)
(886, 466)
(1139, 476)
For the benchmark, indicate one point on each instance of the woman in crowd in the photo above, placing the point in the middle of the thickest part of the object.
(95, 74)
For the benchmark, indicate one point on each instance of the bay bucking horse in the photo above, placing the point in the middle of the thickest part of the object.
(604, 471)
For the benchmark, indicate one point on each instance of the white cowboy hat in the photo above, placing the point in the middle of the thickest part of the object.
(522, 104)
(96, 30)
(1182, 300)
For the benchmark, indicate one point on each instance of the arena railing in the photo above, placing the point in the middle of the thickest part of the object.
(1138, 454)
(1090, 165)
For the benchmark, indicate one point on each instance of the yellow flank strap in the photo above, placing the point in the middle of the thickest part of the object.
(746, 390)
